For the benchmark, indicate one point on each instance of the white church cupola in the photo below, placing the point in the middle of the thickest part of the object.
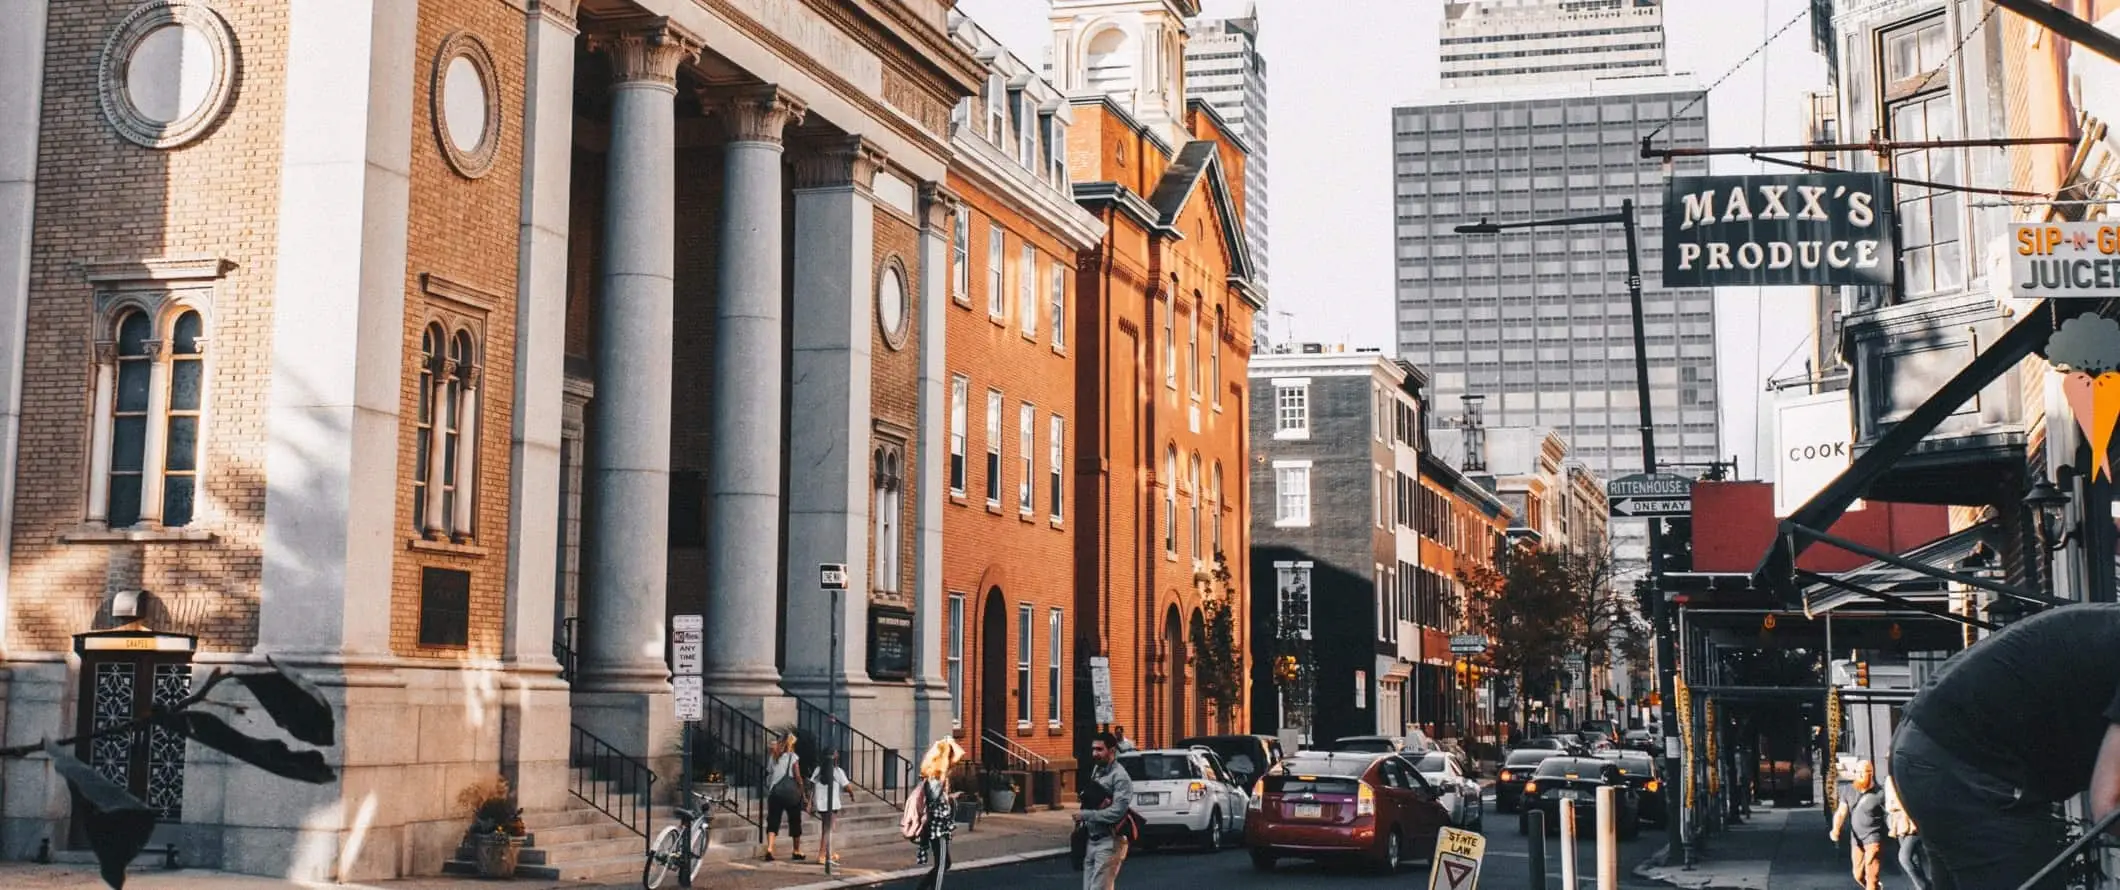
(1132, 51)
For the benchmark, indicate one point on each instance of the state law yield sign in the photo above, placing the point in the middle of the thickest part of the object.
(1793, 229)
(1650, 496)
(1457, 860)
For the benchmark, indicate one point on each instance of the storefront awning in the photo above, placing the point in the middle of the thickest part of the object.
(1958, 551)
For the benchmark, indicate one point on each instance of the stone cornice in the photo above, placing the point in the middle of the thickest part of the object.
(463, 295)
(1125, 200)
(939, 206)
(185, 268)
(562, 12)
(997, 176)
(836, 162)
(646, 50)
(754, 114)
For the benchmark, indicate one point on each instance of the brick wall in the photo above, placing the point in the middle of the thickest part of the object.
(465, 230)
(1026, 560)
(100, 197)
(894, 388)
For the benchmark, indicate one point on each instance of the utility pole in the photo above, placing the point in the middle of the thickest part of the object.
(1666, 647)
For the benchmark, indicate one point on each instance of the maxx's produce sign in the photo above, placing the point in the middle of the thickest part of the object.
(1801, 229)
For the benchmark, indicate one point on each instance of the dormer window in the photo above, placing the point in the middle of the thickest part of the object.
(1056, 150)
(1026, 131)
(996, 110)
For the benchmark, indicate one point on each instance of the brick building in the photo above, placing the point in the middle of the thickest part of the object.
(1164, 304)
(1462, 525)
(415, 343)
(1008, 570)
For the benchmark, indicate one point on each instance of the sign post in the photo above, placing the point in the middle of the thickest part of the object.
(1457, 859)
(1467, 644)
(688, 693)
(1650, 496)
(832, 576)
(1100, 684)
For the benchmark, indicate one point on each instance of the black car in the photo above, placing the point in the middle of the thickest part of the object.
(1578, 778)
(1246, 756)
(1639, 740)
(1509, 785)
(1641, 772)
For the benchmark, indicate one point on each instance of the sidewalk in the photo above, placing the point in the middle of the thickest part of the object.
(1785, 849)
(999, 840)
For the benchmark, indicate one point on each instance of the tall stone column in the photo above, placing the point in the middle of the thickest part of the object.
(535, 712)
(743, 480)
(829, 423)
(624, 683)
(932, 705)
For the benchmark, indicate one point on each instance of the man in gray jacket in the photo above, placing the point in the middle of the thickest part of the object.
(1100, 868)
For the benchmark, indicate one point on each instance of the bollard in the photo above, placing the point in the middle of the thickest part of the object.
(1608, 838)
(1537, 820)
(1568, 845)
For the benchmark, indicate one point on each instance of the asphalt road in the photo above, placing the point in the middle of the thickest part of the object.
(1507, 864)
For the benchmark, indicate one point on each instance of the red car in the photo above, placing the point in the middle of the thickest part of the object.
(1356, 805)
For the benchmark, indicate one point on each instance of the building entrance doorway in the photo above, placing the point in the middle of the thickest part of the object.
(993, 681)
(1174, 658)
(125, 673)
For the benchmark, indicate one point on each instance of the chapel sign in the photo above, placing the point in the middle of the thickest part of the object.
(1799, 229)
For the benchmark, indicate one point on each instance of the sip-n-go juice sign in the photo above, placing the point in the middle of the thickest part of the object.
(2064, 259)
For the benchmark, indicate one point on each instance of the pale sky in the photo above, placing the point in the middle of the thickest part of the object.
(1335, 68)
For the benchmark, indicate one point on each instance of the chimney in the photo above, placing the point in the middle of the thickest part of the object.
(1474, 423)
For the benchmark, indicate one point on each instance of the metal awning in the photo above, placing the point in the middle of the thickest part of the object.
(1954, 550)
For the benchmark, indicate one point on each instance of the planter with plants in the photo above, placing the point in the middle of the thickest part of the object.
(1000, 793)
(497, 830)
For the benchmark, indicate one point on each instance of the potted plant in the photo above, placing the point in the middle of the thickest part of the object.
(1000, 793)
(497, 829)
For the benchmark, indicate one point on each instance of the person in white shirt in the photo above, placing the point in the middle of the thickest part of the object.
(829, 788)
(784, 795)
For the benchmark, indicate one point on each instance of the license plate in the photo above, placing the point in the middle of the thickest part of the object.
(1149, 799)
(1570, 795)
(1310, 811)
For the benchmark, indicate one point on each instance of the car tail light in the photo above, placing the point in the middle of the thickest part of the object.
(1258, 795)
(1195, 791)
(1365, 801)
(1507, 775)
(1653, 785)
(1530, 787)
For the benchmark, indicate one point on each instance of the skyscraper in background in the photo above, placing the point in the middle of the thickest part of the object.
(1539, 321)
(1223, 68)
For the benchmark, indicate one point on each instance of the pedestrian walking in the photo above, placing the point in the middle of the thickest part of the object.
(937, 816)
(1107, 845)
(828, 790)
(2006, 729)
(784, 795)
(1900, 826)
(1864, 818)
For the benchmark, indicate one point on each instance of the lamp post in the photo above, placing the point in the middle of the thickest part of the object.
(1666, 652)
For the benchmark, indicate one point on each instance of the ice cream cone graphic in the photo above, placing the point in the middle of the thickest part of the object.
(2105, 412)
(2078, 386)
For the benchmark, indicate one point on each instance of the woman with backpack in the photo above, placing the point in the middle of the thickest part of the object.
(784, 795)
(931, 813)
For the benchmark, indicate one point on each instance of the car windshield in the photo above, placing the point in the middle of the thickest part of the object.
(1571, 767)
(1529, 757)
(1434, 762)
(1380, 746)
(1636, 765)
(1158, 767)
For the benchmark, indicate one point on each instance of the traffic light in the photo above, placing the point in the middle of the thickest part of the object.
(1678, 545)
(1862, 673)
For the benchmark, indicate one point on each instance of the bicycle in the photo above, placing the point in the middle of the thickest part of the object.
(693, 829)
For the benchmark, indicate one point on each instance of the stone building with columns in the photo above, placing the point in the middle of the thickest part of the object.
(1164, 304)
(443, 350)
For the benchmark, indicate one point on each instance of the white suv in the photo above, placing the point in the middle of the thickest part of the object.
(1185, 794)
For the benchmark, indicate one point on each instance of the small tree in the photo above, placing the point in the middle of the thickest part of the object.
(119, 823)
(1525, 610)
(1218, 656)
(1294, 665)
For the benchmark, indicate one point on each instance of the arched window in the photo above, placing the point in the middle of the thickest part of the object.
(1214, 352)
(1192, 349)
(890, 485)
(423, 450)
(1214, 504)
(445, 455)
(1170, 501)
(1192, 489)
(150, 400)
(1109, 64)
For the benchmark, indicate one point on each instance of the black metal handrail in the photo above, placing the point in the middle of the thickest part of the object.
(617, 784)
(729, 748)
(563, 649)
(2074, 849)
(872, 766)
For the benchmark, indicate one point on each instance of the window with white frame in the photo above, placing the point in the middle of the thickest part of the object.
(1192, 491)
(1170, 502)
(1291, 492)
(889, 507)
(1055, 458)
(1918, 108)
(1055, 624)
(1059, 305)
(1215, 511)
(1214, 350)
(1170, 342)
(996, 273)
(955, 659)
(1291, 410)
(1056, 150)
(1293, 590)
(1192, 348)
(993, 448)
(1023, 665)
(961, 253)
(960, 393)
(150, 413)
(1027, 291)
(1383, 606)
(1026, 451)
(1383, 495)
(997, 111)
(1026, 130)
(445, 459)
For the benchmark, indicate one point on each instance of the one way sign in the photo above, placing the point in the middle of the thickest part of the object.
(1652, 508)
(1650, 496)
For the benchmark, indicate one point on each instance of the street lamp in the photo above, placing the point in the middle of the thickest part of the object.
(1666, 650)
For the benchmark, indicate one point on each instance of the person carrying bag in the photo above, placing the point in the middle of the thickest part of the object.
(930, 812)
(784, 797)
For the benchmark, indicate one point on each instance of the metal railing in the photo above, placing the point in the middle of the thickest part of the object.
(732, 749)
(2075, 848)
(872, 766)
(563, 649)
(619, 785)
(1016, 754)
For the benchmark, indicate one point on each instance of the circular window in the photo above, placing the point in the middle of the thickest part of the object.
(467, 119)
(893, 310)
(167, 73)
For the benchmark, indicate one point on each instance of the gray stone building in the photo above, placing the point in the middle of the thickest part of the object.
(1331, 540)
